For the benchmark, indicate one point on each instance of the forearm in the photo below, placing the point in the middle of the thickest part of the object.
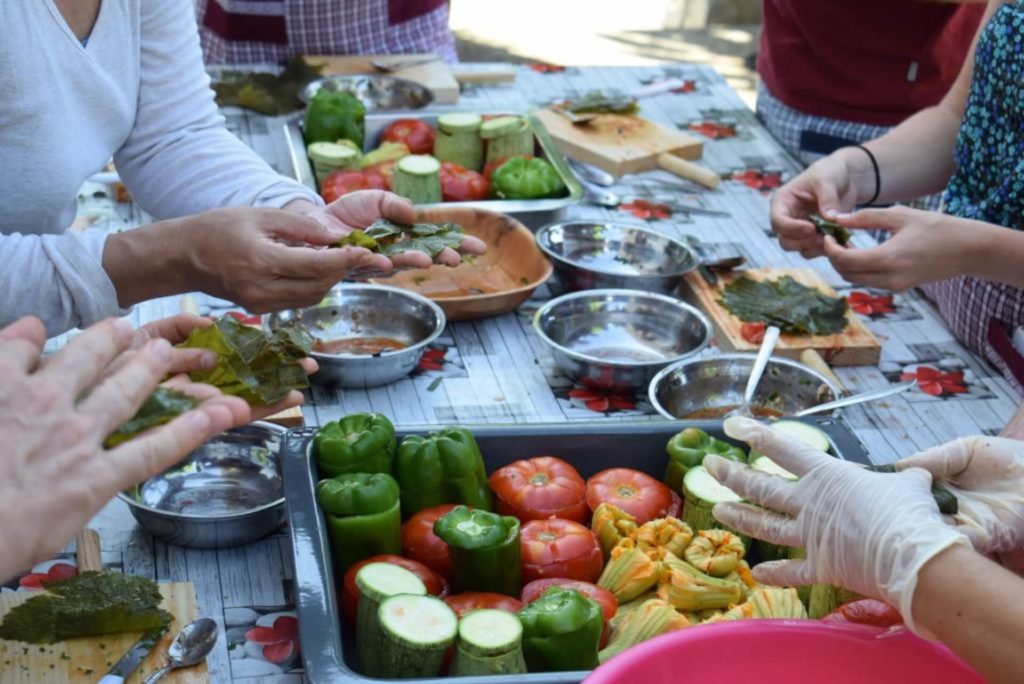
(149, 262)
(976, 608)
(1015, 427)
(994, 253)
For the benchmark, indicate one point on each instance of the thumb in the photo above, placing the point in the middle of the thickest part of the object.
(872, 219)
(828, 200)
(787, 573)
(945, 461)
(315, 228)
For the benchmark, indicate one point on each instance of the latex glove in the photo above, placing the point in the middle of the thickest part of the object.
(869, 532)
(986, 474)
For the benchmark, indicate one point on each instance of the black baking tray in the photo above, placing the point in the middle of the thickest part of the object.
(327, 649)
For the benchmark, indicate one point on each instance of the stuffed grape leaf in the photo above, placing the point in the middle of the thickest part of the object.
(825, 227)
(598, 102)
(260, 367)
(792, 307)
(88, 604)
(162, 406)
(389, 238)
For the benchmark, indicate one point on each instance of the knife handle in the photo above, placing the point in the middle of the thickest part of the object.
(111, 679)
(689, 170)
(484, 76)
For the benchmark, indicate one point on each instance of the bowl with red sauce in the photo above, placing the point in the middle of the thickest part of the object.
(366, 335)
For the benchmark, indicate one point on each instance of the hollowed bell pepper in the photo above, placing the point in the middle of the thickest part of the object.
(485, 548)
(363, 516)
(561, 631)
(333, 116)
(443, 467)
(359, 443)
(526, 178)
(687, 450)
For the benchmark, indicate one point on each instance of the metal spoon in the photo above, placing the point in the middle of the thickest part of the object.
(771, 336)
(606, 198)
(193, 643)
(389, 67)
(861, 398)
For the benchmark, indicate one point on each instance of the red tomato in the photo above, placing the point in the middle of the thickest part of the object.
(421, 544)
(604, 598)
(436, 585)
(417, 135)
(339, 183)
(560, 548)
(753, 332)
(459, 184)
(476, 600)
(378, 176)
(638, 494)
(490, 168)
(866, 612)
(541, 487)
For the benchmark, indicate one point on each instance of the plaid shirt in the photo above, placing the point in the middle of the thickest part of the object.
(271, 31)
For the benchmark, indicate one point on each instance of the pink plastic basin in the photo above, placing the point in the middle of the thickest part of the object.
(786, 651)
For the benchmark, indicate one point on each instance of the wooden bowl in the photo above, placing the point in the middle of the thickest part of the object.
(494, 283)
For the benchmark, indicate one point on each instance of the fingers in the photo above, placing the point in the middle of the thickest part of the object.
(873, 219)
(473, 245)
(174, 329)
(84, 360)
(21, 344)
(788, 573)
(792, 454)
(412, 259)
(864, 266)
(293, 399)
(304, 229)
(759, 523)
(945, 461)
(448, 257)
(970, 462)
(760, 488)
(120, 395)
(396, 208)
(309, 365)
(192, 359)
(314, 264)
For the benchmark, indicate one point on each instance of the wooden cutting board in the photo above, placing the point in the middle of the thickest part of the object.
(85, 661)
(436, 75)
(617, 143)
(855, 346)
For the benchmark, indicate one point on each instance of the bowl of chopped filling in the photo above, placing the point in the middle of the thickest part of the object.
(366, 335)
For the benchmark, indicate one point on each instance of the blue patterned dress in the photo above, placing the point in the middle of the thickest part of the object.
(988, 184)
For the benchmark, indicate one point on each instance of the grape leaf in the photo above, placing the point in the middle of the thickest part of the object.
(792, 307)
(270, 94)
(162, 406)
(389, 238)
(260, 367)
(825, 227)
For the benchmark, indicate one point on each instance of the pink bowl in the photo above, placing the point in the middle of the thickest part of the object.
(786, 652)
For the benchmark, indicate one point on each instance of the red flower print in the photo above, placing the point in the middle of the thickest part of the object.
(279, 641)
(936, 383)
(757, 179)
(713, 130)
(542, 68)
(602, 401)
(688, 87)
(643, 209)
(433, 359)
(870, 305)
(244, 318)
(57, 571)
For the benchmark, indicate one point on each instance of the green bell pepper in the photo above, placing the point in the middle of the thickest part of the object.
(363, 516)
(332, 116)
(442, 468)
(359, 443)
(522, 178)
(561, 631)
(485, 548)
(687, 450)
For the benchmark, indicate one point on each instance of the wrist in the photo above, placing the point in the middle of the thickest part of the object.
(300, 206)
(146, 263)
(861, 170)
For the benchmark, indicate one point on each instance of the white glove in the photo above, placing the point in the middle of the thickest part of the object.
(869, 532)
(986, 474)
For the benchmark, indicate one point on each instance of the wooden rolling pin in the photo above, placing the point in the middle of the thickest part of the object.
(87, 550)
(810, 357)
(483, 77)
(689, 171)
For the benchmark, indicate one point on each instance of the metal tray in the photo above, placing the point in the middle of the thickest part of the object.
(328, 648)
(532, 213)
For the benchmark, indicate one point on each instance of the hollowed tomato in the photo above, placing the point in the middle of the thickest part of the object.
(539, 488)
(560, 548)
(636, 493)
(421, 544)
(417, 135)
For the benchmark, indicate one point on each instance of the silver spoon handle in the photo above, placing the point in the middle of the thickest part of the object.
(861, 398)
(158, 675)
(771, 337)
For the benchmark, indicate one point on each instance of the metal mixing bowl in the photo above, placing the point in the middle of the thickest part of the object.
(377, 93)
(590, 255)
(367, 311)
(697, 384)
(619, 339)
(225, 493)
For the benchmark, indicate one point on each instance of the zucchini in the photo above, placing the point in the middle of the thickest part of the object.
(700, 493)
(458, 140)
(808, 434)
(516, 142)
(328, 157)
(416, 632)
(377, 582)
(944, 499)
(489, 643)
(767, 465)
(499, 126)
(418, 179)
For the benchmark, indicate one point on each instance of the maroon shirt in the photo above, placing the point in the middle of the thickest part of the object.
(867, 61)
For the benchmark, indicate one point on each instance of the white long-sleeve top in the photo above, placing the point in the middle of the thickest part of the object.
(136, 91)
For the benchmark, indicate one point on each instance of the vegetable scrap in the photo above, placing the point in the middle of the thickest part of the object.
(791, 306)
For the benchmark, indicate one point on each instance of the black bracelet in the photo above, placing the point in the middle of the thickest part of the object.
(878, 176)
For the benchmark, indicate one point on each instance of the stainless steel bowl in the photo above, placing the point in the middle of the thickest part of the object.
(377, 93)
(591, 255)
(697, 384)
(225, 493)
(367, 311)
(619, 339)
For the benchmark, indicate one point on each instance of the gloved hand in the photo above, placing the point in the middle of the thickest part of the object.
(986, 474)
(869, 532)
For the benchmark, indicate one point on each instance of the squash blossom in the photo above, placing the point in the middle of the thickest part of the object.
(611, 524)
(687, 588)
(663, 535)
(715, 552)
(629, 572)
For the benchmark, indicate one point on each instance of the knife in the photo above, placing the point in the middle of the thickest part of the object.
(135, 655)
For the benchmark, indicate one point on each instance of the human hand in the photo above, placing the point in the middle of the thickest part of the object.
(55, 413)
(925, 246)
(869, 532)
(358, 210)
(826, 188)
(986, 474)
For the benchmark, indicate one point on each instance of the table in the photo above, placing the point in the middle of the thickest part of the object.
(497, 371)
